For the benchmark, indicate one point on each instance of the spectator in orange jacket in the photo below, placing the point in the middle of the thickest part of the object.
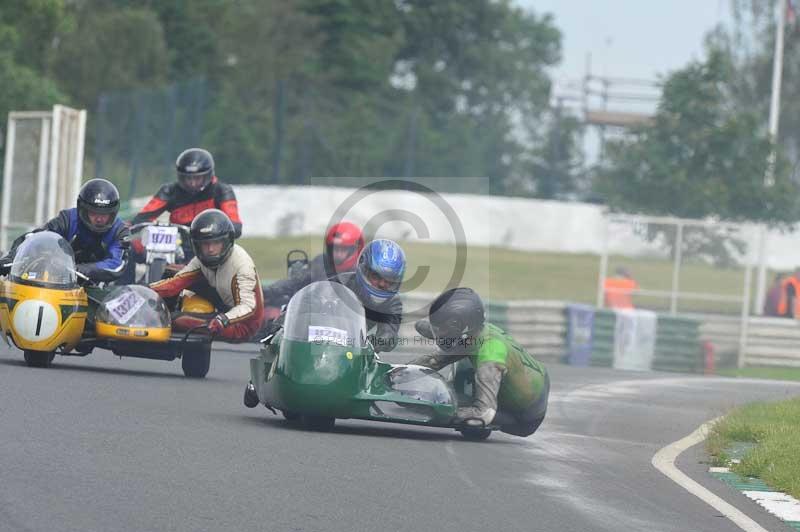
(773, 299)
(789, 304)
(619, 289)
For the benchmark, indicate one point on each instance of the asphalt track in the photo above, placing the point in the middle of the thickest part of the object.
(107, 444)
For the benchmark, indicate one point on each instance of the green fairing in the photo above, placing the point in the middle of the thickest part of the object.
(322, 380)
(524, 381)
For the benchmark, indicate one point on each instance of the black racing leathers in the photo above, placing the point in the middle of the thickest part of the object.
(280, 292)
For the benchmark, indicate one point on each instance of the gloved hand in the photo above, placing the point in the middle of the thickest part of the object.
(217, 323)
(5, 265)
(83, 269)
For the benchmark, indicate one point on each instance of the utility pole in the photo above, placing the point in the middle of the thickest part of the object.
(774, 116)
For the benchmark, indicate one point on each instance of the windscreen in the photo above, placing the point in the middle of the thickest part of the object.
(326, 312)
(44, 259)
(133, 306)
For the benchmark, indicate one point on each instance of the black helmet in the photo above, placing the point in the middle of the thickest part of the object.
(456, 316)
(192, 164)
(98, 196)
(212, 225)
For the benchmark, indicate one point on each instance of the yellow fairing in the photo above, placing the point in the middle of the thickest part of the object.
(42, 319)
(135, 334)
(196, 305)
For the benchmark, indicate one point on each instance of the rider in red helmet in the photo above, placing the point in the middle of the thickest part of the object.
(343, 243)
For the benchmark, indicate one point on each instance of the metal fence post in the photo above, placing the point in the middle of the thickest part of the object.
(601, 276)
(676, 270)
(745, 317)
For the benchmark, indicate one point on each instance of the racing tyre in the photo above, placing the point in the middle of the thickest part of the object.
(475, 434)
(196, 361)
(156, 270)
(319, 423)
(39, 359)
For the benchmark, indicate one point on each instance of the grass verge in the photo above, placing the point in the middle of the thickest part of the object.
(780, 374)
(774, 428)
(509, 274)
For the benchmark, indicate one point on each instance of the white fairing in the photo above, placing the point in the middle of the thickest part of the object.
(35, 320)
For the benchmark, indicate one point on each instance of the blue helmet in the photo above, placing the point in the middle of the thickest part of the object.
(380, 270)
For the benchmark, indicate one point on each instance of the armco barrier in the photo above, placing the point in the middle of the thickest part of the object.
(678, 346)
(605, 322)
(770, 341)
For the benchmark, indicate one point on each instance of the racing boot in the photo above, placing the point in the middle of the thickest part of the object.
(488, 378)
(250, 396)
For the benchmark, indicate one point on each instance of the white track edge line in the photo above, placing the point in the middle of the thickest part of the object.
(664, 461)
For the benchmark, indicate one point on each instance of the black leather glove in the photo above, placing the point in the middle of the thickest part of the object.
(5, 265)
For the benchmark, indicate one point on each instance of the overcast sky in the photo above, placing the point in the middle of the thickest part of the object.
(630, 38)
(643, 39)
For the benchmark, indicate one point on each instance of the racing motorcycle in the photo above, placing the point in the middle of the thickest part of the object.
(163, 248)
(46, 305)
(320, 366)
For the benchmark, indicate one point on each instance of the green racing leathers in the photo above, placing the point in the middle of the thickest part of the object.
(511, 387)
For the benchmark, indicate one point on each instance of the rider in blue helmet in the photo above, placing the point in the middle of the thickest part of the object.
(376, 281)
(380, 270)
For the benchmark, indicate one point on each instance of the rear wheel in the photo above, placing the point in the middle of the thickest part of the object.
(39, 359)
(196, 361)
(319, 423)
(155, 270)
(475, 434)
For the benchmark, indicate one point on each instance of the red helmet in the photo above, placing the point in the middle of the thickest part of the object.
(344, 235)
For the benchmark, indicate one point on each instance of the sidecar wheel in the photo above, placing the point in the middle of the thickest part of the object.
(196, 362)
(39, 359)
(475, 434)
(319, 423)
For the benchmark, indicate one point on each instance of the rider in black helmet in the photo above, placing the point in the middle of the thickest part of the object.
(98, 238)
(195, 189)
(511, 387)
(225, 274)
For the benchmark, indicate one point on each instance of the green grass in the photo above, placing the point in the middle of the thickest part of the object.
(506, 274)
(775, 429)
(782, 374)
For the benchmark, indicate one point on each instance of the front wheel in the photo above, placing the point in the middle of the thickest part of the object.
(155, 270)
(39, 359)
(196, 361)
(475, 434)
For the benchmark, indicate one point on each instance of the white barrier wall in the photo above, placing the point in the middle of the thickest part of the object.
(517, 223)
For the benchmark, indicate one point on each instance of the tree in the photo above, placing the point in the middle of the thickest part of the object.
(552, 169)
(480, 65)
(110, 49)
(702, 157)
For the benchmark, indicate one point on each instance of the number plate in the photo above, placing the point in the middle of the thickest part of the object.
(123, 307)
(164, 239)
(328, 335)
